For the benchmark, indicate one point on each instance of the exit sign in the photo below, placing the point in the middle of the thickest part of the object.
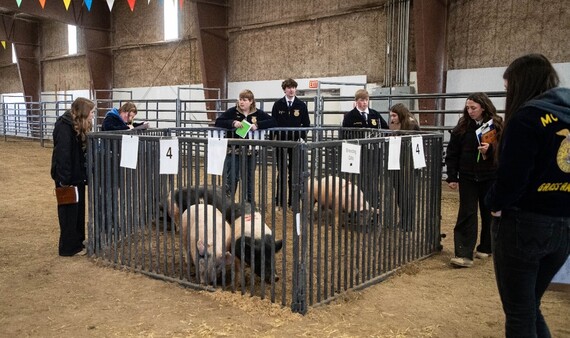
(313, 84)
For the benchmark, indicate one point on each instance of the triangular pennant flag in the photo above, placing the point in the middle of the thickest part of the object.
(4, 44)
(66, 3)
(19, 2)
(88, 4)
(181, 2)
(110, 4)
(132, 4)
(43, 3)
(149, 2)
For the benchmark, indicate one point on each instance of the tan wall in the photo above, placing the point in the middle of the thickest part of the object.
(142, 59)
(271, 40)
(61, 72)
(322, 38)
(10, 82)
(69, 73)
(9, 76)
(54, 39)
(160, 65)
(491, 33)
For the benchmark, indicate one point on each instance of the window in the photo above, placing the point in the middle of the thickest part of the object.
(71, 39)
(170, 20)
(14, 58)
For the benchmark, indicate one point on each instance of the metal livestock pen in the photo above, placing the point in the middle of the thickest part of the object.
(358, 230)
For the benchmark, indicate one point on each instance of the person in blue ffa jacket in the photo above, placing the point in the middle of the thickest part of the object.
(471, 167)
(531, 197)
(231, 120)
(119, 119)
(362, 116)
(288, 112)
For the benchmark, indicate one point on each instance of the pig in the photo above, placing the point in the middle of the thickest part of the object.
(249, 237)
(340, 196)
(339, 191)
(195, 195)
(201, 247)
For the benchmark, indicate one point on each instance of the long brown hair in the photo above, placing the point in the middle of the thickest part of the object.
(82, 124)
(527, 77)
(406, 118)
(489, 112)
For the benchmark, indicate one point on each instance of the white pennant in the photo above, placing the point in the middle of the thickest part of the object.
(110, 4)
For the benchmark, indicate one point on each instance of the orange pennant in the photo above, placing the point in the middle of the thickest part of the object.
(181, 2)
(66, 3)
(43, 3)
(132, 4)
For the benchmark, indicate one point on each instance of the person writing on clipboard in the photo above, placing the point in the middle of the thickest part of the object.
(471, 169)
(239, 121)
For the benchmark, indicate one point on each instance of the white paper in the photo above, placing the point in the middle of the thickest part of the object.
(485, 128)
(350, 158)
(298, 220)
(217, 149)
(418, 152)
(129, 151)
(169, 156)
(394, 149)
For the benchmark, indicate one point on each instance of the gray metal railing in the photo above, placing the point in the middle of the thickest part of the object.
(326, 231)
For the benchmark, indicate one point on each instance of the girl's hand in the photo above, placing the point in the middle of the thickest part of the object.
(237, 124)
(253, 127)
(483, 148)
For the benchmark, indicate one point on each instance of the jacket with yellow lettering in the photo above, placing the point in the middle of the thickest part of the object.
(534, 158)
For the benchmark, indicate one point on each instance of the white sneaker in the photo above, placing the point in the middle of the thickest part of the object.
(462, 262)
(482, 255)
(81, 253)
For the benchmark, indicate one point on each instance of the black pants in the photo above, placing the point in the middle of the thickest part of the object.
(528, 250)
(72, 225)
(471, 195)
(284, 174)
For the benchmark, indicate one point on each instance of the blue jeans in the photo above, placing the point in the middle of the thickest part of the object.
(232, 172)
(528, 250)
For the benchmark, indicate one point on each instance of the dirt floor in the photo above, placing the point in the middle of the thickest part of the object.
(44, 295)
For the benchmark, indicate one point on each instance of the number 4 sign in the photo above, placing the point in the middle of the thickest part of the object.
(418, 152)
(169, 156)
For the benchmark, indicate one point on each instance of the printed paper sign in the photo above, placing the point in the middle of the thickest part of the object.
(216, 155)
(394, 148)
(129, 151)
(350, 158)
(418, 152)
(169, 156)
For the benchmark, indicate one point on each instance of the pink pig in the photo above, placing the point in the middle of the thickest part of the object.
(210, 263)
(342, 192)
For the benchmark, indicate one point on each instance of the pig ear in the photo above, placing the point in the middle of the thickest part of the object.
(278, 245)
(229, 258)
(201, 248)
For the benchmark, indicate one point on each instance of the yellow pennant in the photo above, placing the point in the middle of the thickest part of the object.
(4, 44)
(66, 3)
